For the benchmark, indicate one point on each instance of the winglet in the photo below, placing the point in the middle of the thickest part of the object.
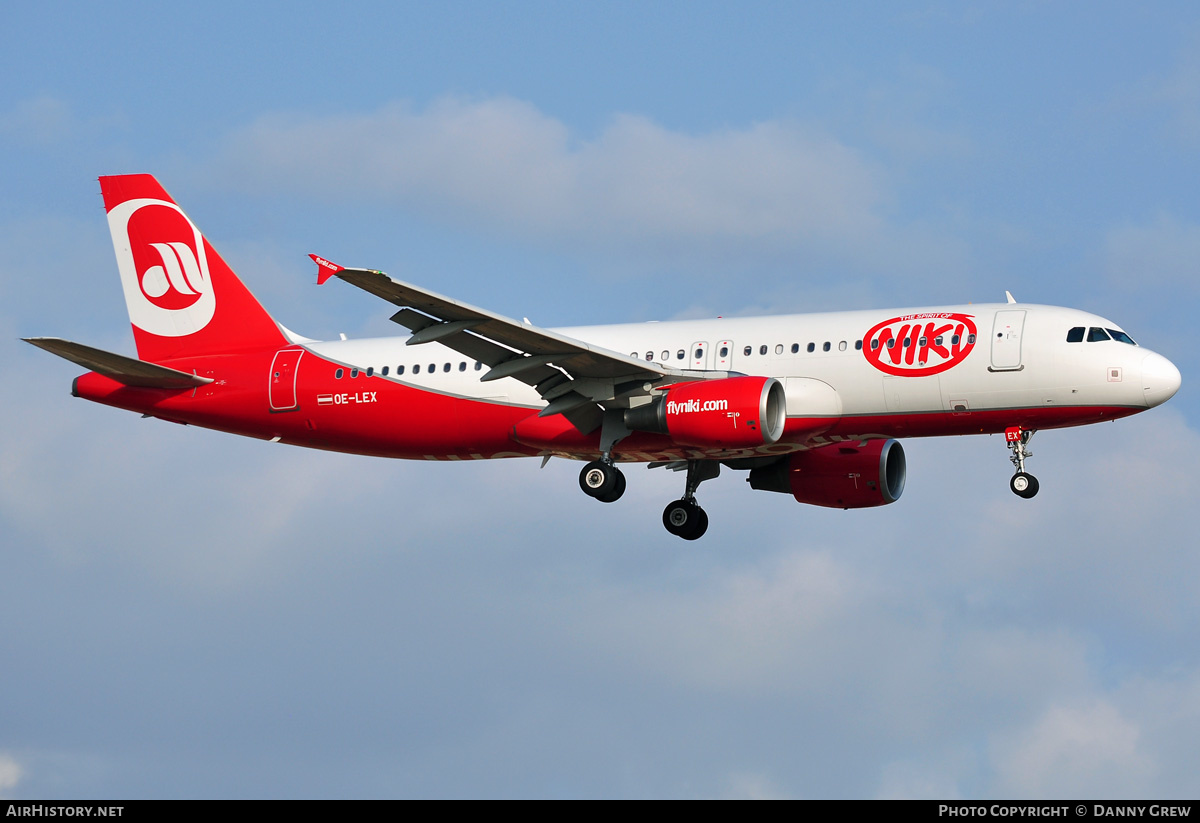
(325, 269)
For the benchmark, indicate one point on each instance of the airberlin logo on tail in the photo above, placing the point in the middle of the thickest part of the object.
(914, 345)
(164, 268)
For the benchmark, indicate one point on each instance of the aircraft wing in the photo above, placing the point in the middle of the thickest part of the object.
(571, 375)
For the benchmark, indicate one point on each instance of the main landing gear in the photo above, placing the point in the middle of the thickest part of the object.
(684, 518)
(602, 480)
(1022, 484)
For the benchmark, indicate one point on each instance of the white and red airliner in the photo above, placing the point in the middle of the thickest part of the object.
(808, 404)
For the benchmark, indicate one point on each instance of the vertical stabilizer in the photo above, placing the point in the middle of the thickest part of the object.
(183, 299)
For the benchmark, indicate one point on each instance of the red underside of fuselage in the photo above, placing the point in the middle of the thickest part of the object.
(383, 417)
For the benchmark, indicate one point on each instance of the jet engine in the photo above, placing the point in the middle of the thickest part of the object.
(849, 475)
(730, 413)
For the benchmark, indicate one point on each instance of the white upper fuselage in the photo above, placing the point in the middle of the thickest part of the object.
(1021, 359)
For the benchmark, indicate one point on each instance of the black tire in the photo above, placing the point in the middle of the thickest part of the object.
(1023, 485)
(683, 518)
(598, 479)
(618, 489)
(700, 528)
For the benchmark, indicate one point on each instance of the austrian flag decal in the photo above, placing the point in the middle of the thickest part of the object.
(914, 345)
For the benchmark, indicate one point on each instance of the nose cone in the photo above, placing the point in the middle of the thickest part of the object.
(1160, 379)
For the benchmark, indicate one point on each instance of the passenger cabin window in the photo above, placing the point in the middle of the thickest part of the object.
(858, 345)
(384, 372)
(748, 351)
(812, 347)
(1097, 335)
(1075, 335)
(724, 352)
(399, 370)
(337, 374)
(842, 346)
(370, 371)
(666, 356)
(779, 348)
(478, 365)
(762, 349)
(826, 346)
(354, 372)
(700, 353)
(679, 355)
(795, 348)
(462, 366)
(649, 356)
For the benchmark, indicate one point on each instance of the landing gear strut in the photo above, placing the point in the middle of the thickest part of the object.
(684, 518)
(602, 480)
(1022, 484)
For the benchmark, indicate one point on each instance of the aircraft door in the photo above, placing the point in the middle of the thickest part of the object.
(1006, 340)
(700, 356)
(724, 356)
(282, 382)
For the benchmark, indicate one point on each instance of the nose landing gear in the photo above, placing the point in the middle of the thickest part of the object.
(1022, 484)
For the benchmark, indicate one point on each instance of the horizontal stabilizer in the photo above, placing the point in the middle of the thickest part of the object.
(127, 370)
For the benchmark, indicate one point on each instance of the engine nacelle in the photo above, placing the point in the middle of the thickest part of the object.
(840, 476)
(731, 413)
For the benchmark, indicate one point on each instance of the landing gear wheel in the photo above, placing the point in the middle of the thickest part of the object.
(683, 518)
(1023, 485)
(599, 479)
(618, 490)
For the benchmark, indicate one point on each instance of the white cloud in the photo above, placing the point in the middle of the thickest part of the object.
(747, 630)
(770, 188)
(749, 786)
(10, 773)
(1088, 750)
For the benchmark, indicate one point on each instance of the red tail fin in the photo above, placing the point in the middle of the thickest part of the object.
(183, 299)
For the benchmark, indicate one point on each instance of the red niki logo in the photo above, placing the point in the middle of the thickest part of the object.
(914, 345)
(168, 270)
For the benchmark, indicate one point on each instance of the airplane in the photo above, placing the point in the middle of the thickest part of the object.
(808, 405)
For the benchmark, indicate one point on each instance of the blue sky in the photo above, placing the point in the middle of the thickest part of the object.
(187, 614)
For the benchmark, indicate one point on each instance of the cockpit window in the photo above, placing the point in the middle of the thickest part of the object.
(1075, 335)
(1121, 337)
(1096, 335)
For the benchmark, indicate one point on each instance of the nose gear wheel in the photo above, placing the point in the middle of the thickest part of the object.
(1022, 484)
